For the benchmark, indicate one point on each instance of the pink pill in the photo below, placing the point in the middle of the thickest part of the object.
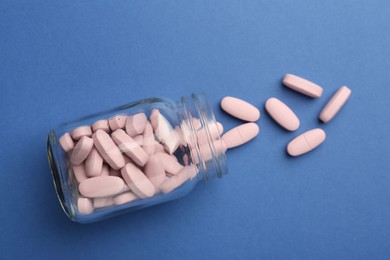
(177, 180)
(206, 153)
(148, 139)
(105, 170)
(240, 135)
(137, 181)
(172, 142)
(135, 124)
(125, 198)
(170, 163)
(81, 150)
(282, 114)
(84, 205)
(93, 163)
(139, 139)
(306, 142)
(79, 173)
(220, 128)
(103, 202)
(335, 104)
(81, 131)
(302, 86)
(102, 125)
(130, 147)
(154, 170)
(158, 148)
(117, 122)
(102, 186)
(108, 149)
(240, 109)
(66, 142)
(213, 132)
(154, 117)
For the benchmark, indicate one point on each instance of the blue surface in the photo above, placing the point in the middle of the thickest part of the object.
(60, 60)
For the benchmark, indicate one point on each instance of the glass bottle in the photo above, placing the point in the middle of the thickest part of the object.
(196, 145)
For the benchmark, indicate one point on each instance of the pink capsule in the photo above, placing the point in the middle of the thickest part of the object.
(66, 142)
(81, 150)
(240, 109)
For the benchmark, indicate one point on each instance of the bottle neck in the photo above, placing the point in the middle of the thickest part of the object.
(201, 133)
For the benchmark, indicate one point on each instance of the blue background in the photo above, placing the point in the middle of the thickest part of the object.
(60, 60)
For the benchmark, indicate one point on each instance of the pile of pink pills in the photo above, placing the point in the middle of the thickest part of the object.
(130, 157)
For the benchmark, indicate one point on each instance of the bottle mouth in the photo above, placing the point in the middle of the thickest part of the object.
(208, 149)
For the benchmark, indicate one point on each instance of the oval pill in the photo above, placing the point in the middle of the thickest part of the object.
(155, 171)
(240, 109)
(306, 142)
(135, 124)
(170, 163)
(117, 122)
(105, 170)
(108, 149)
(79, 173)
(130, 147)
(81, 131)
(137, 181)
(103, 202)
(335, 104)
(101, 124)
(84, 205)
(102, 186)
(148, 139)
(302, 86)
(66, 142)
(282, 114)
(93, 163)
(240, 135)
(125, 197)
(81, 150)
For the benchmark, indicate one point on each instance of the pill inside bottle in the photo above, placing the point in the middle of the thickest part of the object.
(134, 156)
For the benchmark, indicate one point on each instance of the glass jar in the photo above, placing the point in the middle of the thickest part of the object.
(185, 131)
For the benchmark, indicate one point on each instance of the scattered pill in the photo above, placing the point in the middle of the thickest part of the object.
(240, 135)
(240, 109)
(108, 149)
(81, 131)
(100, 187)
(117, 122)
(66, 142)
(335, 104)
(81, 150)
(125, 198)
(130, 147)
(135, 124)
(137, 181)
(282, 114)
(93, 163)
(84, 205)
(101, 124)
(302, 86)
(306, 142)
